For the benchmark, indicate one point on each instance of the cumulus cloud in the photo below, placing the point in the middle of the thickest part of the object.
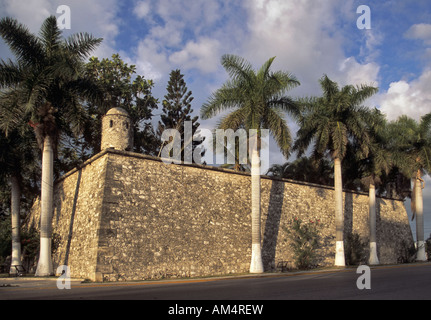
(412, 99)
(97, 17)
(307, 41)
(151, 60)
(421, 31)
(31, 13)
(356, 73)
(142, 9)
(181, 34)
(203, 54)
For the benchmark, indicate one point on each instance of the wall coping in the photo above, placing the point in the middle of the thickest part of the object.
(203, 167)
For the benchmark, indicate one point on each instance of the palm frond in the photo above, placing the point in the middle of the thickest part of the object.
(11, 114)
(233, 120)
(363, 92)
(236, 67)
(82, 44)
(280, 131)
(50, 36)
(10, 73)
(286, 104)
(24, 45)
(329, 87)
(264, 71)
(225, 98)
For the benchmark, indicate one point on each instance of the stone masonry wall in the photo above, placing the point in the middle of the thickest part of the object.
(136, 218)
(78, 200)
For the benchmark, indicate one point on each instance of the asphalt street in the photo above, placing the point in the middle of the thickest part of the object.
(401, 282)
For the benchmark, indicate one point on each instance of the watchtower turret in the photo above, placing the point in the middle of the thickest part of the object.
(117, 131)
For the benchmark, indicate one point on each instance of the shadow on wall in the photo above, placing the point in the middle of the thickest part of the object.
(394, 240)
(65, 239)
(72, 219)
(272, 224)
(348, 213)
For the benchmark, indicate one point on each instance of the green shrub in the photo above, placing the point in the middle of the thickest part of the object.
(354, 250)
(304, 240)
(406, 252)
(5, 239)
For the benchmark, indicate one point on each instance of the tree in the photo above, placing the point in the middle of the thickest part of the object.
(121, 88)
(12, 172)
(412, 144)
(19, 163)
(331, 123)
(176, 110)
(258, 101)
(45, 87)
(305, 169)
(378, 163)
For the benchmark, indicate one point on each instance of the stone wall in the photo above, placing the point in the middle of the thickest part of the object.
(125, 216)
(78, 199)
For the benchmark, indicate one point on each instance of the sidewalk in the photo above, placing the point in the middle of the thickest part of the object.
(33, 282)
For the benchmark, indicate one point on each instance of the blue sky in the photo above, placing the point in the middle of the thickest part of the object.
(308, 37)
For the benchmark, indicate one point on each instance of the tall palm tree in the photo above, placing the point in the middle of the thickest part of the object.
(412, 155)
(331, 122)
(44, 87)
(18, 160)
(258, 100)
(378, 162)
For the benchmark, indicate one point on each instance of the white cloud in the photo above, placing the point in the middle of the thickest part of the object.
(142, 9)
(97, 17)
(412, 99)
(421, 31)
(186, 35)
(170, 35)
(203, 54)
(306, 39)
(355, 73)
(151, 60)
(369, 50)
(31, 13)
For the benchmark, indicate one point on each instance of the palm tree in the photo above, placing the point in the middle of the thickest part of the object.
(305, 169)
(18, 161)
(11, 172)
(331, 122)
(412, 155)
(258, 101)
(378, 162)
(44, 87)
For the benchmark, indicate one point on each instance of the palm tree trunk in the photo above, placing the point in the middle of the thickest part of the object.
(15, 213)
(339, 215)
(44, 266)
(420, 256)
(373, 259)
(256, 265)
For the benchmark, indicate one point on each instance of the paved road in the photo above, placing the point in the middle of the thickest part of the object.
(388, 283)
